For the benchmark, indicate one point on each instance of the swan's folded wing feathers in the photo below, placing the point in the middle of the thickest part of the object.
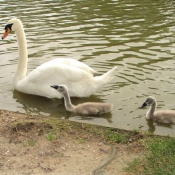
(61, 73)
(70, 62)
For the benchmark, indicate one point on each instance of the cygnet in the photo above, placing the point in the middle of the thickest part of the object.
(162, 116)
(89, 108)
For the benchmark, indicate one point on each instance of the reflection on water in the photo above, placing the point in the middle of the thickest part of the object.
(36, 105)
(137, 36)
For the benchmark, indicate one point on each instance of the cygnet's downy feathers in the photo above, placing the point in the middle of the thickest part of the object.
(89, 108)
(162, 116)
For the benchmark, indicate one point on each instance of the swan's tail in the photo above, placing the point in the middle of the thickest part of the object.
(106, 77)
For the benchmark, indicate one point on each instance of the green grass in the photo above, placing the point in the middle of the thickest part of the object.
(81, 140)
(51, 137)
(29, 143)
(158, 160)
(76, 129)
(114, 136)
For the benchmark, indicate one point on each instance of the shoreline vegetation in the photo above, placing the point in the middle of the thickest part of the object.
(24, 136)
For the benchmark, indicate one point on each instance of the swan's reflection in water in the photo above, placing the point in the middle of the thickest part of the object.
(37, 105)
(152, 126)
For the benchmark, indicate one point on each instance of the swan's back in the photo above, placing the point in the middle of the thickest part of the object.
(164, 116)
(92, 108)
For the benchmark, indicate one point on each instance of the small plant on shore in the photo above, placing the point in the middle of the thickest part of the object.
(51, 137)
(136, 130)
(81, 140)
(29, 143)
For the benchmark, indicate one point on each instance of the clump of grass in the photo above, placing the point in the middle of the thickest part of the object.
(113, 136)
(51, 137)
(159, 159)
(29, 143)
(81, 140)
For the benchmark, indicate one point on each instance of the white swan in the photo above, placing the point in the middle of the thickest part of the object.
(88, 108)
(77, 76)
(162, 116)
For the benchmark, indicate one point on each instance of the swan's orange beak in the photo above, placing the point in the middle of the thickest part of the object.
(6, 33)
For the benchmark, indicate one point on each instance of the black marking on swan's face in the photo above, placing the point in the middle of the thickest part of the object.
(8, 26)
(8, 29)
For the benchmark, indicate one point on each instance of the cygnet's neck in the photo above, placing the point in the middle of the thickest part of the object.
(151, 111)
(23, 55)
(67, 101)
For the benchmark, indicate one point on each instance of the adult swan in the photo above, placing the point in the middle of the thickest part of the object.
(77, 76)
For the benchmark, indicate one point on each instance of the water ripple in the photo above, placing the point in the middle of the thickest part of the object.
(137, 36)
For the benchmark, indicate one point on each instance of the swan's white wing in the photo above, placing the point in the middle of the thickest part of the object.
(58, 74)
(75, 75)
(70, 62)
(79, 81)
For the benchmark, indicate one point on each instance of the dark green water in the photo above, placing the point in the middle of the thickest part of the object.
(137, 36)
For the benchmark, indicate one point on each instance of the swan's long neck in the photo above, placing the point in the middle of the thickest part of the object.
(151, 111)
(23, 55)
(69, 106)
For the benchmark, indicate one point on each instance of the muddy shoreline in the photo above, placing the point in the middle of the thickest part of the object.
(40, 145)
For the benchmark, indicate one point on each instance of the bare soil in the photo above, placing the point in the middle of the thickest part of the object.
(28, 146)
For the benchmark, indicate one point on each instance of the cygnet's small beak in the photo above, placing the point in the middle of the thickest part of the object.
(143, 105)
(54, 86)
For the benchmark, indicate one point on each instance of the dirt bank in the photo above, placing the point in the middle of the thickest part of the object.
(32, 145)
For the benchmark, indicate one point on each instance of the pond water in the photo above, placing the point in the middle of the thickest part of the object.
(137, 36)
